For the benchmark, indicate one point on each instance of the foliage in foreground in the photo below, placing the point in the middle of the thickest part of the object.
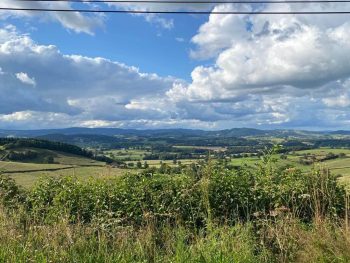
(207, 214)
(193, 199)
(280, 240)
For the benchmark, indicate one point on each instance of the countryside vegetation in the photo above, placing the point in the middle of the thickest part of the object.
(62, 203)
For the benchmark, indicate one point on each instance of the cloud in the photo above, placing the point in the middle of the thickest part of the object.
(24, 78)
(70, 84)
(270, 70)
(161, 20)
(83, 23)
(259, 71)
(74, 21)
(340, 101)
(285, 51)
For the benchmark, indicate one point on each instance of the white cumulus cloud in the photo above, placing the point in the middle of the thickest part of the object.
(259, 71)
(24, 78)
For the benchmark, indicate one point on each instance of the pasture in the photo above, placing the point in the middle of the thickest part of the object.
(26, 174)
(126, 154)
(339, 166)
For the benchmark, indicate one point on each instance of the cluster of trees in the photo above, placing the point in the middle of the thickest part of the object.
(170, 156)
(138, 165)
(12, 143)
(308, 159)
(21, 156)
(333, 143)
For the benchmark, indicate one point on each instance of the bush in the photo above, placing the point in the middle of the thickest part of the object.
(11, 195)
(211, 193)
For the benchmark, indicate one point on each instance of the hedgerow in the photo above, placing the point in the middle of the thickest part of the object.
(214, 194)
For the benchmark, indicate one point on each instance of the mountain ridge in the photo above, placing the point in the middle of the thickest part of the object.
(233, 132)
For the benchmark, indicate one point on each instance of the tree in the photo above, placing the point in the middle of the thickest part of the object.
(138, 165)
(49, 159)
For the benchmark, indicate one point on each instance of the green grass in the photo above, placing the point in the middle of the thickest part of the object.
(231, 244)
(17, 166)
(28, 179)
(324, 151)
(70, 164)
(59, 157)
(70, 159)
(28, 173)
(339, 166)
(123, 154)
(252, 161)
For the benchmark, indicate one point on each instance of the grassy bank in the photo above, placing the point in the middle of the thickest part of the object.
(279, 240)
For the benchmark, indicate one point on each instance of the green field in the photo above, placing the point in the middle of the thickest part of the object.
(26, 174)
(323, 151)
(339, 166)
(124, 154)
(28, 179)
(59, 157)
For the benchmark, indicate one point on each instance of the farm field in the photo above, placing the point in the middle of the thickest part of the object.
(339, 166)
(27, 178)
(123, 154)
(324, 151)
(26, 174)
(209, 148)
(60, 158)
(65, 164)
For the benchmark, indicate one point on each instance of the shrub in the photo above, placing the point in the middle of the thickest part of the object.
(11, 195)
(213, 191)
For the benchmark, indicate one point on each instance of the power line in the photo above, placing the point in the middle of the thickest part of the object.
(177, 12)
(194, 2)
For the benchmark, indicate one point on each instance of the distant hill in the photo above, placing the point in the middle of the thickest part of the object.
(235, 132)
(241, 132)
(340, 132)
(101, 131)
(125, 138)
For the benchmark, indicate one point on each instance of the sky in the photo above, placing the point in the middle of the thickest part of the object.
(175, 71)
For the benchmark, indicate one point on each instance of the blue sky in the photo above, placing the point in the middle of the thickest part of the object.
(127, 39)
(207, 72)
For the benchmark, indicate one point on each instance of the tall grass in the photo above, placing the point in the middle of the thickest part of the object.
(282, 240)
